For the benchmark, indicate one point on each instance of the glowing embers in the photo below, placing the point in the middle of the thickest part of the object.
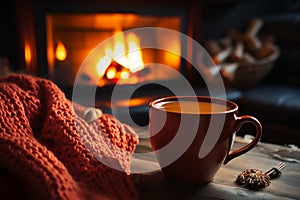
(122, 60)
(115, 71)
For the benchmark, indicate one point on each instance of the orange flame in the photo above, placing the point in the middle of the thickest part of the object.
(61, 52)
(134, 55)
(126, 52)
(119, 50)
(28, 55)
(111, 73)
(104, 62)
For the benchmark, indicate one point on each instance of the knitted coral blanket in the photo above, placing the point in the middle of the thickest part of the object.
(48, 151)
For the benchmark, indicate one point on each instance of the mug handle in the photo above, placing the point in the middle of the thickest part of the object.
(239, 122)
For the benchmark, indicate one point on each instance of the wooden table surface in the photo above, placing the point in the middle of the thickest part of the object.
(152, 184)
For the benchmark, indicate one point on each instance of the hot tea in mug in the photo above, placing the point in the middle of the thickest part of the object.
(192, 136)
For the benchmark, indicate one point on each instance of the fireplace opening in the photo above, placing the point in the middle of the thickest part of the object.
(72, 36)
(67, 34)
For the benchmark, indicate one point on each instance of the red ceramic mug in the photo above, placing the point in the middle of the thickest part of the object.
(192, 136)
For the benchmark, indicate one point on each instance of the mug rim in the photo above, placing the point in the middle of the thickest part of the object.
(233, 106)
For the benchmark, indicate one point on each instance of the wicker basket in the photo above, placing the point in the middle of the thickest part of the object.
(249, 74)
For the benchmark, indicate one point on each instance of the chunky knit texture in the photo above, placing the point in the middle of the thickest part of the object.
(47, 151)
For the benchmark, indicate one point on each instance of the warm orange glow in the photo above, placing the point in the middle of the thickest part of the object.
(61, 52)
(126, 52)
(132, 80)
(171, 57)
(111, 73)
(135, 54)
(28, 55)
(125, 74)
(104, 62)
(131, 102)
(119, 54)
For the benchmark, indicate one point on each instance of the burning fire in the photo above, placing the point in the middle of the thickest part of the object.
(135, 54)
(61, 52)
(28, 55)
(123, 59)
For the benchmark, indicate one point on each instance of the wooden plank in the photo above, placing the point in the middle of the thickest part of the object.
(154, 185)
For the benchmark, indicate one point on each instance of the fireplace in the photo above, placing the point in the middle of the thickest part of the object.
(66, 31)
(63, 33)
(71, 37)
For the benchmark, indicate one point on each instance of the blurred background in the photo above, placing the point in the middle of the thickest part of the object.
(51, 39)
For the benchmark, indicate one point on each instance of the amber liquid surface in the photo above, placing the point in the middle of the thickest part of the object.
(192, 107)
